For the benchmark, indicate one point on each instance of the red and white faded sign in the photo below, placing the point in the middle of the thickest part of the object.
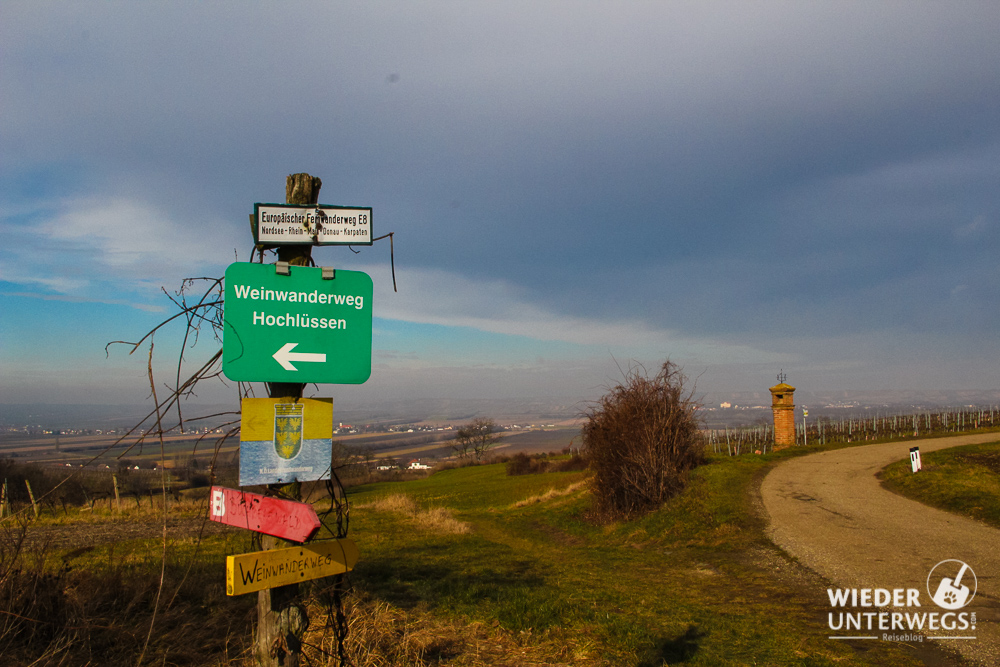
(286, 519)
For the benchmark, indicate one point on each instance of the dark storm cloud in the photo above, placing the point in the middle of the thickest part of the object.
(729, 172)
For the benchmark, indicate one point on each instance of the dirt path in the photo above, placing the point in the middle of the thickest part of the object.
(830, 512)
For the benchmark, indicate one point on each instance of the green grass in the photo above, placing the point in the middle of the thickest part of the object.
(963, 480)
(693, 582)
(696, 582)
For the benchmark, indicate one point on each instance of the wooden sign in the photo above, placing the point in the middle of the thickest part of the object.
(256, 571)
(286, 519)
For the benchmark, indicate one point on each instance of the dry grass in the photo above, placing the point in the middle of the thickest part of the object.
(437, 519)
(440, 520)
(397, 502)
(383, 635)
(94, 605)
(550, 495)
(131, 509)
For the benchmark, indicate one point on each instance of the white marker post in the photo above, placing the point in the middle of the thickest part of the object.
(915, 459)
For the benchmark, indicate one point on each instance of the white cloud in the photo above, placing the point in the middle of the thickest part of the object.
(61, 284)
(127, 234)
(863, 117)
(430, 296)
(75, 299)
(101, 249)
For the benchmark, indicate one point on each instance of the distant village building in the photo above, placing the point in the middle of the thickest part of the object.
(726, 404)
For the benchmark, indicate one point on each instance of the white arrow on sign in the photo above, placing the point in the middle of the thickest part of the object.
(285, 356)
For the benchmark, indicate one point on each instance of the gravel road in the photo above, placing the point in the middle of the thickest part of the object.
(830, 512)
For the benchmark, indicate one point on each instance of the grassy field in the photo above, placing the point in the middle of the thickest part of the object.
(469, 566)
(696, 582)
(964, 480)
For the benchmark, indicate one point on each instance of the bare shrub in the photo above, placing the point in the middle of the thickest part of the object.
(642, 438)
(522, 464)
(477, 438)
(16, 474)
(199, 480)
(94, 605)
(572, 464)
(519, 464)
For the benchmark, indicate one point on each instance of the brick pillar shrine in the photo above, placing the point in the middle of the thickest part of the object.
(783, 408)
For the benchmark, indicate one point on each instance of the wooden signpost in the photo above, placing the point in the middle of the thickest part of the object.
(276, 307)
(281, 619)
(262, 570)
(286, 519)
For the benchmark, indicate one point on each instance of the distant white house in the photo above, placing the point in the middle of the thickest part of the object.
(415, 464)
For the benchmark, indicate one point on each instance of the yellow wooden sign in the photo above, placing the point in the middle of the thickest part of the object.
(256, 571)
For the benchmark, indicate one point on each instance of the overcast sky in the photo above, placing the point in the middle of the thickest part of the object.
(740, 187)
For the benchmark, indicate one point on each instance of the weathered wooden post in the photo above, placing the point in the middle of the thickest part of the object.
(281, 620)
(3, 499)
(90, 503)
(118, 502)
(34, 505)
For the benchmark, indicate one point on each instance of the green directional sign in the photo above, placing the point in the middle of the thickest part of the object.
(299, 327)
